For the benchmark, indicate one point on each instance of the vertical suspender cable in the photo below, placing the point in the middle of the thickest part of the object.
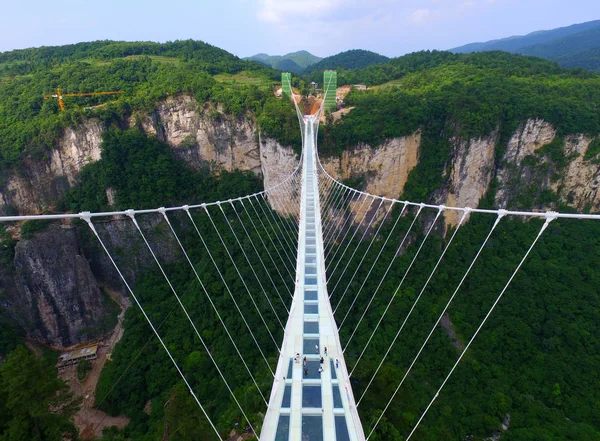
(86, 217)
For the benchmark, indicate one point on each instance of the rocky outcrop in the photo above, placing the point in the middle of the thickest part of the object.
(513, 173)
(39, 184)
(471, 173)
(527, 170)
(385, 168)
(57, 300)
(579, 185)
(200, 136)
(205, 137)
(128, 248)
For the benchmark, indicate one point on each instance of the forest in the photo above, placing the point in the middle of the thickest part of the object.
(536, 360)
(146, 72)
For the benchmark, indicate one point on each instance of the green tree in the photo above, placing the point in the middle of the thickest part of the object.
(36, 404)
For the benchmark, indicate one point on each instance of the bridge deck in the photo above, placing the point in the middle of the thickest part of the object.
(305, 404)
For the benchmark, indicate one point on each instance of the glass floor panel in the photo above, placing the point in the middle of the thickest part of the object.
(337, 397)
(311, 396)
(311, 250)
(283, 428)
(290, 367)
(287, 396)
(333, 371)
(311, 309)
(308, 346)
(310, 280)
(341, 429)
(310, 295)
(310, 270)
(310, 260)
(312, 428)
(312, 370)
(311, 328)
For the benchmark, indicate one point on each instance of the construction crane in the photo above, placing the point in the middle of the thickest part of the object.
(61, 95)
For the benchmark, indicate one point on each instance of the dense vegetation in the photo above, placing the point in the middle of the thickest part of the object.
(142, 169)
(571, 46)
(144, 174)
(145, 72)
(352, 59)
(532, 360)
(462, 96)
(537, 359)
(34, 403)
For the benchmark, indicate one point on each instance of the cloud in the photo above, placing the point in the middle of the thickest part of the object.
(420, 16)
(279, 11)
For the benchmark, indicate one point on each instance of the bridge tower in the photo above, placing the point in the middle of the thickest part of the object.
(329, 89)
(286, 84)
(306, 404)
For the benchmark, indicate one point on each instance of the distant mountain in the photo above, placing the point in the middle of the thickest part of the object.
(287, 65)
(352, 59)
(572, 46)
(294, 62)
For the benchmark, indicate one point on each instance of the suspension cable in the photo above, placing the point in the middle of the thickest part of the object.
(360, 241)
(166, 217)
(260, 259)
(399, 286)
(373, 239)
(283, 261)
(86, 216)
(228, 290)
(463, 217)
(252, 268)
(226, 248)
(336, 228)
(550, 216)
(135, 222)
(263, 243)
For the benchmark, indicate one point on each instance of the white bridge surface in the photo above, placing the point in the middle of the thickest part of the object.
(311, 406)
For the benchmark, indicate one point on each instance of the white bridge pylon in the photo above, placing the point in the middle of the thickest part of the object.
(307, 404)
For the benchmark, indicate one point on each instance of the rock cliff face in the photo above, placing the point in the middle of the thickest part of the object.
(201, 138)
(513, 173)
(41, 183)
(386, 167)
(58, 300)
(206, 137)
(470, 175)
(525, 169)
(55, 289)
(580, 183)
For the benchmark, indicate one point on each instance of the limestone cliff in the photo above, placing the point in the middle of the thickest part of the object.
(579, 185)
(200, 135)
(39, 184)
(471, 172)
(385, 168)
(54, 286)
(513, 173)
(57, 300)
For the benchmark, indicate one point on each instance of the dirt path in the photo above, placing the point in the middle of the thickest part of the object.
(88, 418)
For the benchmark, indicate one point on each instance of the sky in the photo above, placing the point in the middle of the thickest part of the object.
(323, 27)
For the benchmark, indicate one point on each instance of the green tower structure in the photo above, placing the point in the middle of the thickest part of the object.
(286, 84)
(329, 89)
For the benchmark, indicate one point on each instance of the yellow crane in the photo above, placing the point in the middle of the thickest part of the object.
(61, 95)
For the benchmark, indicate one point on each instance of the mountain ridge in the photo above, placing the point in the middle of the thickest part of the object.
(570, 46)
(302, 59)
